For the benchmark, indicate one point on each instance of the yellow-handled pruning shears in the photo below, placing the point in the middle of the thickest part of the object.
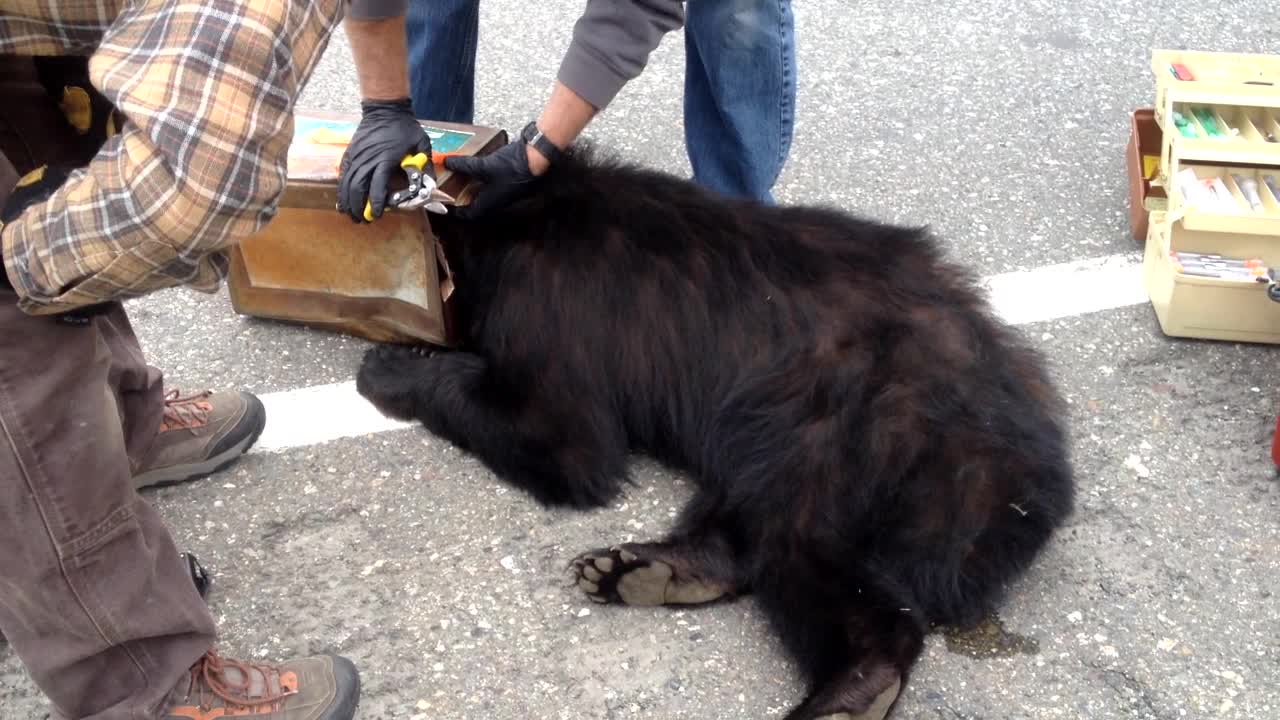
(422, 189)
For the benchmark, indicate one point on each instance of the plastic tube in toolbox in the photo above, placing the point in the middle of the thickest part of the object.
(1206, 121)
(1184, 125)
(1250, 271)
(1192, 188)
(1270, 180)
(1223, 193)
(1199, 258)
(1221, 273)
(1265, 128)
(1249, 187)
(1255, 269)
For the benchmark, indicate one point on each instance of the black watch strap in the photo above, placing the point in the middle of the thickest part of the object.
(533, 136)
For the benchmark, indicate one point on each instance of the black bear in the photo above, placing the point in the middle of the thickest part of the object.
(874, 453)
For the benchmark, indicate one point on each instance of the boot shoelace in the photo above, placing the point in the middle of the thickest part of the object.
(185, 413)
(212, 669)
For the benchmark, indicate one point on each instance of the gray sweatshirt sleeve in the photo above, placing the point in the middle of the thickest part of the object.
(612, 42)
(376, 9)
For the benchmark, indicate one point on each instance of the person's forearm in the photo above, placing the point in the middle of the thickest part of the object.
(611, 45)
(381, 55)
(563, 119)
(186, 176)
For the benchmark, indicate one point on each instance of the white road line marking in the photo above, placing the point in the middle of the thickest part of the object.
(313, 415)
(1068, 289)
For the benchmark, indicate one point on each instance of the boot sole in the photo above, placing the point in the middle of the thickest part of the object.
(345, 674)
(165, 477)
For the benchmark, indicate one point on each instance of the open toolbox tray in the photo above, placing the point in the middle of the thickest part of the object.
(1227, 198)
(1195, 306)
(1215, 191)
(1229, 134)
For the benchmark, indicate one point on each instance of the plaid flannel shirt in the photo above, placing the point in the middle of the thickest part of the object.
(208, 91)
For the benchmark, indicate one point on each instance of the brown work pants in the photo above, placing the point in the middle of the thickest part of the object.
(94, 598)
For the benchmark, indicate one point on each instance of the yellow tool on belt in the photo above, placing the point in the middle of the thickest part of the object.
(422, 190)
(78, 107)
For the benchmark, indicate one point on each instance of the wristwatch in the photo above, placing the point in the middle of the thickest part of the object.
(533, 136)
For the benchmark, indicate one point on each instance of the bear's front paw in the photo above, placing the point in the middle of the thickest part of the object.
(389, 375)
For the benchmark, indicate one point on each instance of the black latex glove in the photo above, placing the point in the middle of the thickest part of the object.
(387, 132)
(505, 174)
(4, 274)
(37, 191)
(24, 196)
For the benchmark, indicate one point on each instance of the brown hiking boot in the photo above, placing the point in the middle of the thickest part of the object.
(200, 434)
(326, 687)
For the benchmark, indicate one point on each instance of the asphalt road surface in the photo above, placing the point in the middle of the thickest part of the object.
(1002, 126)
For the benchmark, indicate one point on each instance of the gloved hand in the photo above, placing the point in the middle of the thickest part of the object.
(4, 274)
(36, 186)
(387, 132)
(504, 172)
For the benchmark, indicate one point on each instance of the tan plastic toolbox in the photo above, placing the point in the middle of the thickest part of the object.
(1205, 307)
(1219, 120)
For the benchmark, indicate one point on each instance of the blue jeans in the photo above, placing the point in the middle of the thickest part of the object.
(738, 124)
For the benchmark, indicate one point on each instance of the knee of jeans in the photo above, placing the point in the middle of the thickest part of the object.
(444, 18)
(741, 24)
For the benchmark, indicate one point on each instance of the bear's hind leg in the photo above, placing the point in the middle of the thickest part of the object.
(658, 573)
(696, 564)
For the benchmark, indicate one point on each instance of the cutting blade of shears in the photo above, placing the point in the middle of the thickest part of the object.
(422, 190)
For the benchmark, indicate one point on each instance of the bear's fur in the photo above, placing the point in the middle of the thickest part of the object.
(873, 452)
